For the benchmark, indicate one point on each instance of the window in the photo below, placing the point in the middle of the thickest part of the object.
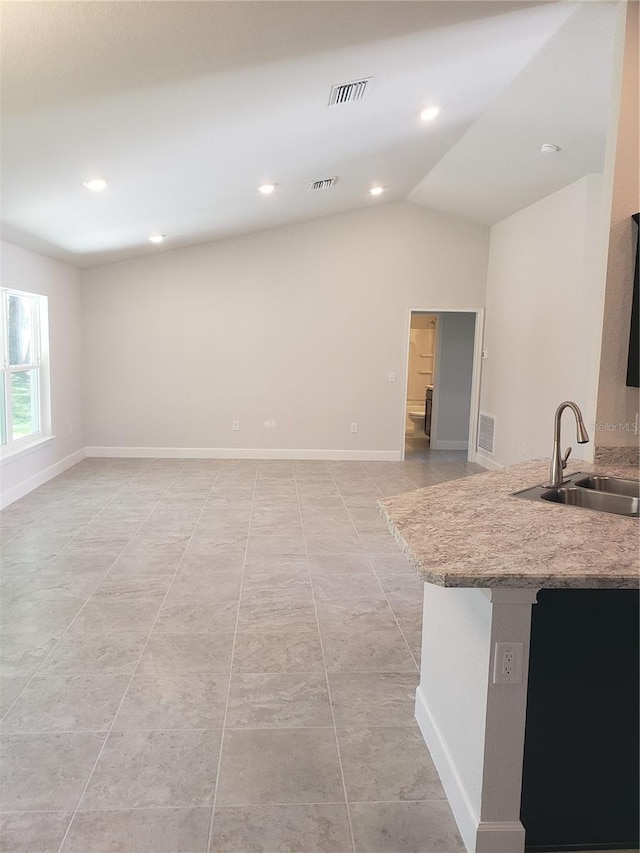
(23, 415)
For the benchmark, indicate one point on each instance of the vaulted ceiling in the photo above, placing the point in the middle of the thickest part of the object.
(187, 107)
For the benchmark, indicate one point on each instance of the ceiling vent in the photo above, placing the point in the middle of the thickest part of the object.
(346, 93)
(486, 429)
(324, 184)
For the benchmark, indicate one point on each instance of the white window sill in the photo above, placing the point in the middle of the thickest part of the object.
(14, 454)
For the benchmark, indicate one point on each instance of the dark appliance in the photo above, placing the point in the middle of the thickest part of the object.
(633, 363)
(428, 406)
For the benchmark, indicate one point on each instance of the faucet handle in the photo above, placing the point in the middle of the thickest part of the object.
(567, 454)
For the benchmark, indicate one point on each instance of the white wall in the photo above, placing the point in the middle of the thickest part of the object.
(543, 320)
(299, 325)
(618, 404)
(454, 372)
(24, 270)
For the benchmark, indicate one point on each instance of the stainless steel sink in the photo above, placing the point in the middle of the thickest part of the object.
(604, 494)
(614, 485)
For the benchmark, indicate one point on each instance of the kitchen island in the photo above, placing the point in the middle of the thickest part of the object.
(484, 555)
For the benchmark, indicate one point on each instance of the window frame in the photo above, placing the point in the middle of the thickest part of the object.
(38, 367)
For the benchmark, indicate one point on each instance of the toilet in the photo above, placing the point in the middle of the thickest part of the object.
(417, 419)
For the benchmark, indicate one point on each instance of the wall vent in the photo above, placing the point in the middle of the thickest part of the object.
(346, 93)
(486, 428)
(324, 184)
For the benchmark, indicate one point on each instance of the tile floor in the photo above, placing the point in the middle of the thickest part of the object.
(206, 655)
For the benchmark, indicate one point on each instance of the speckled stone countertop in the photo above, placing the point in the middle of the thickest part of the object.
(473, 532)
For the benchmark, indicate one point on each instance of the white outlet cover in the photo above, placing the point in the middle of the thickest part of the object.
(507, 663)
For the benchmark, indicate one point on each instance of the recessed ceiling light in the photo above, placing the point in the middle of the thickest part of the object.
(376, 190)
(157, 238)
(266, 189)
(429, 113)
(96, 185)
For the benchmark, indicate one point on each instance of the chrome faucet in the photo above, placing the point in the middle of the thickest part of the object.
(559, 462)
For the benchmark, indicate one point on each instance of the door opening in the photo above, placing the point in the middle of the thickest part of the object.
(442, 384)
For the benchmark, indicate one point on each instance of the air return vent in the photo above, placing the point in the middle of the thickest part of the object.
(486, 426)
(346, 93)
(324, 184)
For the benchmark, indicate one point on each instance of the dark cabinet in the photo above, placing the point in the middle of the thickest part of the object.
(580, 787)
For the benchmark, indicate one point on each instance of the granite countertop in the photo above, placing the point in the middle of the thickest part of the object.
(473, 532)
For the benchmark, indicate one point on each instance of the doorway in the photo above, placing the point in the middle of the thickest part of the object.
(442, 384)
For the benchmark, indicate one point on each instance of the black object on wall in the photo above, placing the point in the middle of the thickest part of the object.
(633, 364)
(580, 785)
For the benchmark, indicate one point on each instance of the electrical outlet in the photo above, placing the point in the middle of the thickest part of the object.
(354, 427)
(507, 663)
(235, 425)
(392, 376)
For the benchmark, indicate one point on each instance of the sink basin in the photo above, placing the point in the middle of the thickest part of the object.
(613, 485)
(589, 491)
(590, 499)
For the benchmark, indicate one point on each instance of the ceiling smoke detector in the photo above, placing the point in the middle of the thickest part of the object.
(549, 149)
(347, 93)
(323, 184)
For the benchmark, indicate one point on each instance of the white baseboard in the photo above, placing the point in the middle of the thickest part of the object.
(500, 837)
(487, 462)
(478, 836)
(449, 445)
(461, 807)
(243, 453)
(40, 478)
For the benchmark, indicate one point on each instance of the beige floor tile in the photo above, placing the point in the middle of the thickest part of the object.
(197, 611)
(298, 538)
(66, 704)
(177, 830)
(261, 766)
(37, 614)
(261, 544)
(22, 653)
(340, 589)
(79, 652)
(46, 772)
(220, 586)
(385, 563)
(276, 613)
(365, 643)
(373, 699)
(340, 564)
(404, 828)
(402, 589)
(33, 832)
(276, 700)
(278, 651)
(140, 769)
(220, 561)
(275, 829)
(173, 701)
(10, 689)
(381, 764)
(100, 617)
(168, 654)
